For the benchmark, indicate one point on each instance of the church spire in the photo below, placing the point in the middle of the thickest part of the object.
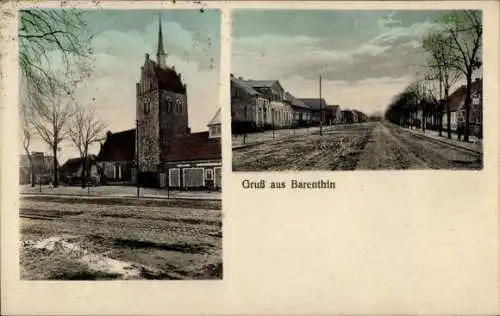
(160, 53)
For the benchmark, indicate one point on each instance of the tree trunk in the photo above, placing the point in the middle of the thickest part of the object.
(467, 107)
(424, 120)
(440, 121)
(83, 173)
(32, 171)
(56, 178)
(448, 113)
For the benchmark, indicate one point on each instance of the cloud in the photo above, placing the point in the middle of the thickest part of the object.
(390, 53)
(362, 68)
(118, 60)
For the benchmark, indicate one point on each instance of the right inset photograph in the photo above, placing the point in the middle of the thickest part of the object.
(356, 90)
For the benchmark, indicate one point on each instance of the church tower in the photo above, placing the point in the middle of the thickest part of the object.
(161, 109)
(161, 57)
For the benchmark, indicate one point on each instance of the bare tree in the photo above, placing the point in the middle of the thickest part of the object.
(465, 30)
(49, 37)
(51, 114)
(86, 129)
(26, 116)
(442, 61)
(54, 56)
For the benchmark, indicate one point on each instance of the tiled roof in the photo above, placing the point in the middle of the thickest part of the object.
(71, 165)
(314, 103)
(295, 102)
(262, 83)
(333, 107)
(195, 146)
(243, 84)
(118, 147)
(457, 98)
(216, 119)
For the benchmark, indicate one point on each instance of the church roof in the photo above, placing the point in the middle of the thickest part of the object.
(216, 119)
(118, 147)
(169, 79)
(195, 146)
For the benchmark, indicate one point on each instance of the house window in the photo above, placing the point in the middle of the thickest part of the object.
(209, 174)
(235, 93)
(174, 179)
(194, 177)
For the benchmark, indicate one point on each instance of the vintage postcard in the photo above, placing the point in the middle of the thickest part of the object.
(121, 161)
(192, 158)
(354, 90)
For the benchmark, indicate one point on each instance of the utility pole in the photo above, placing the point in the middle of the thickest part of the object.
(320, 110)
(273, 112)
(137, 155)
(245, 126)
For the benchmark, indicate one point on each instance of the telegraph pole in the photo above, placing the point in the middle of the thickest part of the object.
(137, 155)
(320, 110)
(245, 126)
(273, 112)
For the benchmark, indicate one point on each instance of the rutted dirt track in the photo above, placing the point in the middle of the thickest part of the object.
(64, 240)
(369, 146)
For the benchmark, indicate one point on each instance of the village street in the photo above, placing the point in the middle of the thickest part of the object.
(119, 238)
(369, 146)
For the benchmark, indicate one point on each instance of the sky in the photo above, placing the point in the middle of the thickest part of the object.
(364, 57)
(121, 40)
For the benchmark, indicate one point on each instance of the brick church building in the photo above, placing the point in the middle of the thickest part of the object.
(165, 150)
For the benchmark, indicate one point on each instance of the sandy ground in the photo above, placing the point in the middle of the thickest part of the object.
(88, 241)
(384, 151)
(372, 146)
(119, 191)
(251, 138)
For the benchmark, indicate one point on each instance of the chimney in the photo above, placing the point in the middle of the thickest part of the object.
(108, 134)
(232, 76)
(147, 56)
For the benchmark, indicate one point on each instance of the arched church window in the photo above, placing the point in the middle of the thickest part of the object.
(147, 104)
(169, 104)
(178, 103)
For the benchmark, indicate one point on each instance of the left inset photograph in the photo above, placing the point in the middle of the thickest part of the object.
(120, 144)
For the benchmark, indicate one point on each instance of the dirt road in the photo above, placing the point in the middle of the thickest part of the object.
(369, 146)
(78, 241)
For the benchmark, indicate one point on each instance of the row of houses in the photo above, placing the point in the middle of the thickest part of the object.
(265, 104)
(433, 114)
